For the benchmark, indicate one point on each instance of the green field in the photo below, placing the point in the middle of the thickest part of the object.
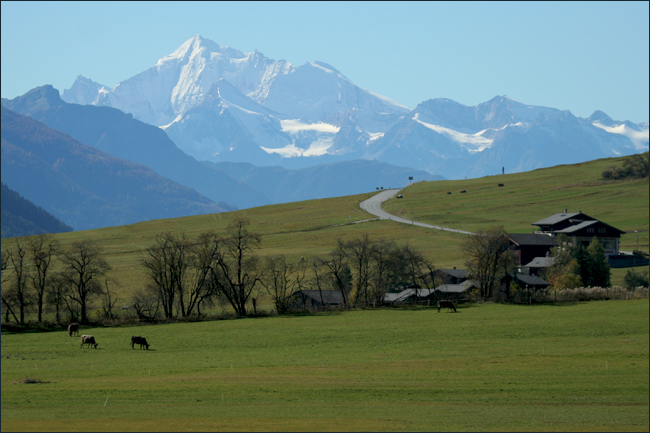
(489, 367)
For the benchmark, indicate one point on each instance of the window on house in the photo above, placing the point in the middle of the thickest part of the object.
(590, 230)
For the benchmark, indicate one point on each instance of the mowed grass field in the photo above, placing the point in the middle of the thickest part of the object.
(489, 367)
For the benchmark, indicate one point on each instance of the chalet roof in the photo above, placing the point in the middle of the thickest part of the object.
(532, 280)
(585, 224)
(456, 273)
(456, 288)
(532, 239)
(558, 217)
(406, 293)
(331, 297)
(540, 262)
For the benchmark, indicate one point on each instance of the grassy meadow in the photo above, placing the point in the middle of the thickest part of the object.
(489, 367)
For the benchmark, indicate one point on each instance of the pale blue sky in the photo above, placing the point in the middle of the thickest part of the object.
(577, 56)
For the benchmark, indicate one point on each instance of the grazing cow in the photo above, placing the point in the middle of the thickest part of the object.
(139, 340)
(444, 303)
(89, 340)
(73, 328)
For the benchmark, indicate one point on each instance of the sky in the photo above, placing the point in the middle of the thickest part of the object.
(576, 56)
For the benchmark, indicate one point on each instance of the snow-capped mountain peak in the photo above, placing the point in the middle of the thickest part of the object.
(220, 104)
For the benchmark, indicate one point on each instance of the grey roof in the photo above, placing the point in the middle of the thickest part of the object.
(456, 288)
(532, 239)
(532, 280)
(406, 293)
(554, 219)
(332, 297)
(576, 227)
(584, 224)
(541, 262)
(458, 273)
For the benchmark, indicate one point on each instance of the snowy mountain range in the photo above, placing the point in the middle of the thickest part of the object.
(219, 104)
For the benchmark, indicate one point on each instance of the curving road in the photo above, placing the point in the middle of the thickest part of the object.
(373, 206)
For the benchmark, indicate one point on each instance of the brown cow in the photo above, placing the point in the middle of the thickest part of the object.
(139, 340)
(445, 303)
(89, 340)
(73, 328)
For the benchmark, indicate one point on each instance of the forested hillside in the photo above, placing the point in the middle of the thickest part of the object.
(21, 217)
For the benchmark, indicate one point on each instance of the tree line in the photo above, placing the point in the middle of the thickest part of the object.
(185, 277)
(29, 281)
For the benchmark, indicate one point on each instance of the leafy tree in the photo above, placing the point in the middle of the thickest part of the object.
(635, 166)
(634, 279)
(565, 272)
(595, 262)
(83, 266)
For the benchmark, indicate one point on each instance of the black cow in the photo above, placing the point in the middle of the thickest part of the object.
(73, 328)
(448, 304)
(139, 340)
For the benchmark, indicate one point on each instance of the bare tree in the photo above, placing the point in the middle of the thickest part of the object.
(236, 271)
(338, 272)
(146, 303)
(359, 252)
(203, 260)
(110, 299)
(42, 249)
(56, 295)
(83, 266)
(282, 280)
(167, 262)
(8, 300)
(16, 294)
(383, 257)
(484, 252)
(417, 268)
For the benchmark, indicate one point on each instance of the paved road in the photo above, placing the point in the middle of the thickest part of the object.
(373, 206)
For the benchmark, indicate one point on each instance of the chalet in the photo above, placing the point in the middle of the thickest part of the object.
(581, 229)
(316, 299)
(531, 282)
(538, 266)
(416, 294)
(455, 291)
(450, 276)
(528, 246)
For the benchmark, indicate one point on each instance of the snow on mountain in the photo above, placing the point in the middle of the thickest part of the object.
(220, 104)
(639, 137)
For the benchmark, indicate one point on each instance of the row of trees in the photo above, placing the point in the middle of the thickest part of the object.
(184, 276)
(635, 166)
(29, 279)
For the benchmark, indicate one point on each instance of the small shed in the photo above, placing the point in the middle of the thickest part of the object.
(316, 299)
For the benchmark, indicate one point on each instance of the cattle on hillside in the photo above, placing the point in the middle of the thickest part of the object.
(446, 304)
(89, 340)
(73, 328)
(139, 340)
